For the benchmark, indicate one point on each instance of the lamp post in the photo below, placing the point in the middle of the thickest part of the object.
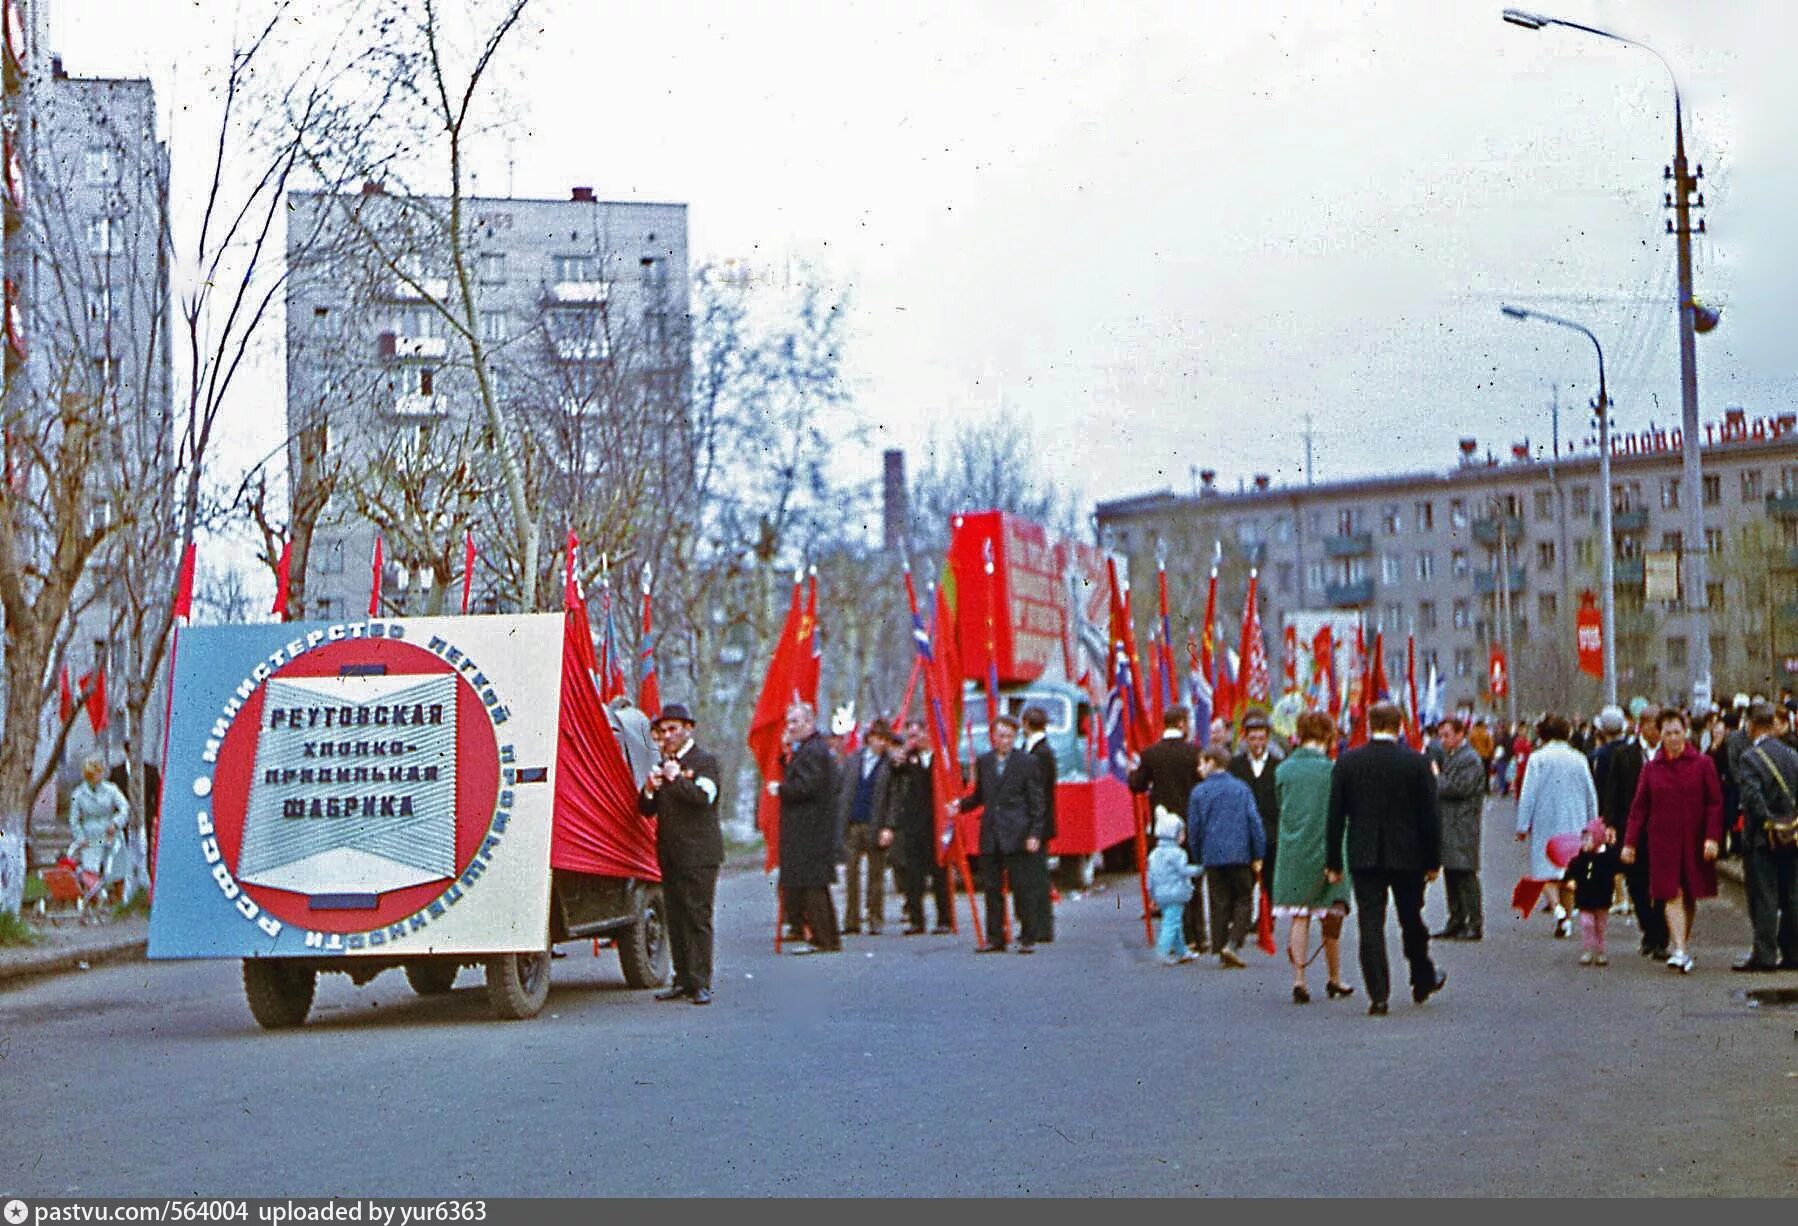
(1606, 545)
(1695, 562)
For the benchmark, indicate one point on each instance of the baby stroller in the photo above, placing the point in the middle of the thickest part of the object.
(80, 875)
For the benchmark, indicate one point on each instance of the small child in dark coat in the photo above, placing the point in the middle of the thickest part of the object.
(1592, 875)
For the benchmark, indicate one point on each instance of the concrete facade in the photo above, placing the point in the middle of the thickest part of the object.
(1419, 553)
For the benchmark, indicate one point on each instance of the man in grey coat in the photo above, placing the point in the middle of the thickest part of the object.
(1461, 794)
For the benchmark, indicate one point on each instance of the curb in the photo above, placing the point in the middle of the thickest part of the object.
(33, 966)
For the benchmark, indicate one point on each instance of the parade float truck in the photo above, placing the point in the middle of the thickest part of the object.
(411, 794)
(1036, 606)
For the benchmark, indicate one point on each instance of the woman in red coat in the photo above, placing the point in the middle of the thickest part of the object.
(1679, 811)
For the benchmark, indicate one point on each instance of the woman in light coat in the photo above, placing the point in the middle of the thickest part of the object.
(1558, 798)
(98, 816)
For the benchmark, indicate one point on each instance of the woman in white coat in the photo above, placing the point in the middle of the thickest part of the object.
(1558, 798)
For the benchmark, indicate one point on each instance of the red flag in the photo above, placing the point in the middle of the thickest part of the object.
(67, 705)
(1208, 634)
(945, 648)
(1375, 687)
(1415, 722)
(1323, 673)
(1168, 691)
(1137, 731)
(1264, 924)
(1589, 636)
(1354, 706)
(1498, 673)
(94, 684)
(767, 727)
(467, 567)
(649, 686)
(374, 584)
(811, 661)
(1289, 664)
(283, 575)
(1252, 680)
(184, 584)
(571, 589)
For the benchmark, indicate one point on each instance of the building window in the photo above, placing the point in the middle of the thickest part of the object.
(1283, 578)
(574, 267)
(1545, 607)
(1392, 569)
(1582, 500)
(1713, 490)
(1457, 564)
(1626, 496)
(1545, 505)
(1713, 540)
(1672, 542)
(1719, 652)
(1788, 481)
(1629, 545)
(495, 325)
(98, 165)
(1545, 555)
(1427, 661)
(1392, 519)
(1463, 661)
(1426, 615)
(1713, 595)
(1282, 523)
(1676, 651)
(490, 268)
(1463, 615)
(1424, 514)
(1585, 551)
(1393, 618)
(103, 236)
(330, 561)
(1669, 493)
(1348, 521)
(1751, 485)
(1457, 513)
(324, 608)
(427, 381)
(1314, 576)
(1426, 566)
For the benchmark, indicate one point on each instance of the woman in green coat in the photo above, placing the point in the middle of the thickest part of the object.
(1302, 784)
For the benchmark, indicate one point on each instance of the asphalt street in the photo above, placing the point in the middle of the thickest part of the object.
(909, 1066)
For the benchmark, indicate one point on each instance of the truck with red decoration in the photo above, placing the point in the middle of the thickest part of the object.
(416, 794)
(1030, 611)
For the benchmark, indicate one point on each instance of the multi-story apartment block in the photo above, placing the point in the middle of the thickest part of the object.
(582, 311)
(1419, 553)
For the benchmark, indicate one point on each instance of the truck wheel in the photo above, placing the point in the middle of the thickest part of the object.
(643, 947)
(1074, 872)
(432, 976)
(518, 984)
(280, 994)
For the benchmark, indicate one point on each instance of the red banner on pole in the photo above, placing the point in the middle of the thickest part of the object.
(1498, 673)
(1589, 636)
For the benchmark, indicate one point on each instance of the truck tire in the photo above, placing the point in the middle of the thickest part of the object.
(518, 984)
(432, 976)
(643, 947)
(279, 993)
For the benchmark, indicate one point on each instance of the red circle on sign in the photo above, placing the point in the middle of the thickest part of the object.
(477, 781)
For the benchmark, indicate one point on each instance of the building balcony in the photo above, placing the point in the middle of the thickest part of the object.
(395, 346)
(1784, 505)
(417, 405)
(1487, 531)
(1485, 582)
(1633, 520)
(398, 290)
(581, 348)
(577, 293)
(1628, 570)
(1349, 595)
(1348, 545)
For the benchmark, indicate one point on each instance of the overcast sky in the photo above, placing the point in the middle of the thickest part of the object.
(1167, 233)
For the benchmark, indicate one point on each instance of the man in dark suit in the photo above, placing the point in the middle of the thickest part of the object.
(1168, 771)
(1621, 776)
(682, 795)
(908, 828)
(1768, 771)
(1254, 764)
(1036, 744)
(1384, 797)
(864, 778)
(809, 843)
(1011, 831)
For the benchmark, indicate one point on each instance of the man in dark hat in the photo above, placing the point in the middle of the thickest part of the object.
(682, 795)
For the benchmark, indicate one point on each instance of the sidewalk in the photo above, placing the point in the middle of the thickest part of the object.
(70, 945)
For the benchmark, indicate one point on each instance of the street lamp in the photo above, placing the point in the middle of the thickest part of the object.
(1684, 184)
(1606, 546)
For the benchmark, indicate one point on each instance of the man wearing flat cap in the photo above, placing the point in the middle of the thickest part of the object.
(682, 795)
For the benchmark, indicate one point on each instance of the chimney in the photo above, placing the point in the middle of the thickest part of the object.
(1262, 481)
(1208, 483)
(582, 195)
(895, 509)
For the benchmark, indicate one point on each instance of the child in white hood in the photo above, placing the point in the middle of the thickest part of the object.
(1170, 885)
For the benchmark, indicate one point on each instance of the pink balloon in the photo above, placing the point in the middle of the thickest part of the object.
(1562, 848)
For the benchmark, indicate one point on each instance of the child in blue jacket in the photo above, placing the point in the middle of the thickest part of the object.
(1224, 825)
(1170, 885)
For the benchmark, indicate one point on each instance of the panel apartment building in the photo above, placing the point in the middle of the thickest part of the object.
(1420, 553)
(574, 297)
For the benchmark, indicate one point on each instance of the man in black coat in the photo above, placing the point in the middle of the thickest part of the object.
(1768, 775)
(1254, 764)
(1621, 776)
(1168, 771)
(1011, 831)
(908, 827)
(682, 795)
(1384, 797)
(1036, 743)
(807, 790)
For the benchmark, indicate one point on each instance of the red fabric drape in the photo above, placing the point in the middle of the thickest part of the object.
(597, 828)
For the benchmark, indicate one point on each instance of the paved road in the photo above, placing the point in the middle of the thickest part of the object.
(909, 1066)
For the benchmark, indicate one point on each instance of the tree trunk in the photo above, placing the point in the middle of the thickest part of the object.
(25, 664)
